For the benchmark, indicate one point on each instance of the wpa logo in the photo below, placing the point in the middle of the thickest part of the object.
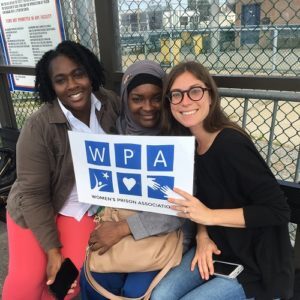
(127, 160)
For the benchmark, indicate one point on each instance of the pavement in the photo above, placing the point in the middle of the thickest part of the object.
(3, 255)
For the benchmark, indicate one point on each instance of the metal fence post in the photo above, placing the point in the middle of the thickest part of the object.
(274, 49)
(272, 129)
(109, 41)
(297, 172)
(7, 115)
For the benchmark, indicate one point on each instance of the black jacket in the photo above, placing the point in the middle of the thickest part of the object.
(232, 174)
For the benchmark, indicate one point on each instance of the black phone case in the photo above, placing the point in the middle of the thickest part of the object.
(64, 279)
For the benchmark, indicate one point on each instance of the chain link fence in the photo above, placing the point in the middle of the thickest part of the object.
(273, 123)
(228, 37)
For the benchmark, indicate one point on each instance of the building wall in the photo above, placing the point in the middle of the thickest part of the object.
(279, 12)
(272, 13)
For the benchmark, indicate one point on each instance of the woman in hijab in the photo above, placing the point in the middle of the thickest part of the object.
(141, 101)
(141, 80)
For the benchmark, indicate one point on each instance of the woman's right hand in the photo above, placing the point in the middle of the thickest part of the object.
(204, 256)
(54, 262)
(107, 234)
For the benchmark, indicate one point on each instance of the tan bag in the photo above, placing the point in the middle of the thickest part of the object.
(160, 252)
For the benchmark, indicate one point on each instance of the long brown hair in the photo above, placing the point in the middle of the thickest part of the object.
(215, 120)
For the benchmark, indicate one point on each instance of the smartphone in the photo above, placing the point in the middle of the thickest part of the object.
(64, 279)
(226, 269)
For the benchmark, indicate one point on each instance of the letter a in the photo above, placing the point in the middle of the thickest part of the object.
(160, 159)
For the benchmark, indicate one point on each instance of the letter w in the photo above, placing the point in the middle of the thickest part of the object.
(97, 153)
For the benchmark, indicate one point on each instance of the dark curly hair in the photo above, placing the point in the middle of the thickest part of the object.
(74, 51)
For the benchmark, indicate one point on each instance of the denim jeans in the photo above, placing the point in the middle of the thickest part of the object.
(181, 283)
(130, 285)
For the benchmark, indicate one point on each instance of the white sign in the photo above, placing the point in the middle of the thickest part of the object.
(133, 172)
(28, 28)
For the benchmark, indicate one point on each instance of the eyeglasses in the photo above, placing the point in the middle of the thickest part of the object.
(195, 93)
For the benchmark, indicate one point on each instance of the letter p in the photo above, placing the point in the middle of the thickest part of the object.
(128, 153)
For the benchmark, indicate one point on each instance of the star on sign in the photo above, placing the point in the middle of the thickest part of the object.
(105, 175)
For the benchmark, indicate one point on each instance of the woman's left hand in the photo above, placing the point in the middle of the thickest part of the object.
(205, 250)
(192, 208)
(54, 261)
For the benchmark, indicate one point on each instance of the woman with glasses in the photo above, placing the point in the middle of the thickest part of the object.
(241, 213)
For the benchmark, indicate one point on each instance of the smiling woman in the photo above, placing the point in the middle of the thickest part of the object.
(43, 207)
(141, 96)
(240, 211)
(141, 102)
(144, 102)
(72, 86)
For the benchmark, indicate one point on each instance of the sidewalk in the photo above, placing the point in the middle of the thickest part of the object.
(3, 255)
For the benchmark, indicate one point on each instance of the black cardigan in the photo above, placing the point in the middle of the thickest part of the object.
(232, 174)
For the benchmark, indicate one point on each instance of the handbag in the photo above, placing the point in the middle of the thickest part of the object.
(161, 252)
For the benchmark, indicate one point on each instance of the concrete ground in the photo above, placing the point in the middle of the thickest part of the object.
(3, 255)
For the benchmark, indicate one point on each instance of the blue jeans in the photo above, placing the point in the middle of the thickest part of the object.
(181, 283)
(130, 285)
